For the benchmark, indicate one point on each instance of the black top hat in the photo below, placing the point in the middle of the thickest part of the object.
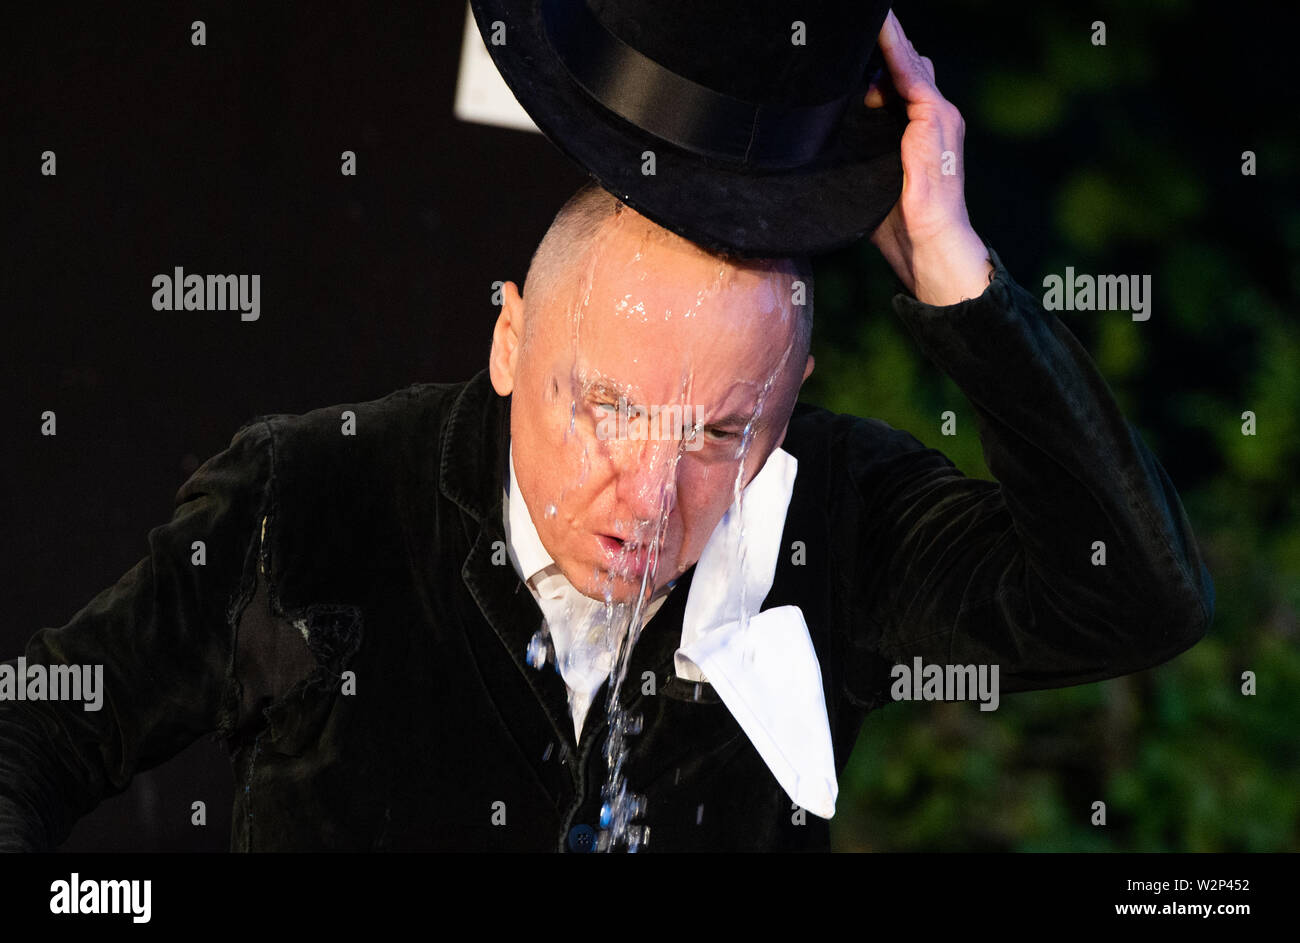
(752, 109)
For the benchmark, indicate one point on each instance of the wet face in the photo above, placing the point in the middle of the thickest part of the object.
(653, 329)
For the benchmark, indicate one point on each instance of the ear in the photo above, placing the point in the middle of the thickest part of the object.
(507, 339)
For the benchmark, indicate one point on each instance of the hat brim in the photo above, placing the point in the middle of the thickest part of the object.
(825, 205)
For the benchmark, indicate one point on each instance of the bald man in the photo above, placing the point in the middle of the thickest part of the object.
(406, 635)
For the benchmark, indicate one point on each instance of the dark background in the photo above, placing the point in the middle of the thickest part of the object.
(225, 158)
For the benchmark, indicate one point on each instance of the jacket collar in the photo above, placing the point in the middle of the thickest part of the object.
(471, 474)
(474, 445)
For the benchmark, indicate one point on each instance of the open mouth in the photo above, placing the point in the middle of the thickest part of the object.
(624, 556)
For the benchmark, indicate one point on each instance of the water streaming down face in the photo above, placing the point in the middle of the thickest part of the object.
(654, 326)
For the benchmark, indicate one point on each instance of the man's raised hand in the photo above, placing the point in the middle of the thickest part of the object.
(927, 238)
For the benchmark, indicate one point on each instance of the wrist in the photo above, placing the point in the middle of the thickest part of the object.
(951, 268)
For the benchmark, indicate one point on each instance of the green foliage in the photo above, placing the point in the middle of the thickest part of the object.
(1119, 158)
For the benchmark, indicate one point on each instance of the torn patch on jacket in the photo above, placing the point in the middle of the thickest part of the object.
(277, 655)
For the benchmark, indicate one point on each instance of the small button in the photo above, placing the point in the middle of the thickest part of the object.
(582, 838)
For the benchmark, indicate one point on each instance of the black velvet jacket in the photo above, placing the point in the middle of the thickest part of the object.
(373, 554)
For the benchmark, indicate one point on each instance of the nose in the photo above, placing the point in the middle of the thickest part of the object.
(646, 473)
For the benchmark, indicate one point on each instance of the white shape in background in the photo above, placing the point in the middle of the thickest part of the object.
(482, 96)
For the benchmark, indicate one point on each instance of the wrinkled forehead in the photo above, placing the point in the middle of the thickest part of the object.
(664, 322)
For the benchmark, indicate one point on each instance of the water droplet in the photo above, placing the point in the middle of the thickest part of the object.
(537, 646)
(550, 510)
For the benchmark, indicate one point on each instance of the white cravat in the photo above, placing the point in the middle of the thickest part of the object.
(766, 673)
(762, 664)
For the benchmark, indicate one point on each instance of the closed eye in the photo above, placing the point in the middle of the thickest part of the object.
(715, 434)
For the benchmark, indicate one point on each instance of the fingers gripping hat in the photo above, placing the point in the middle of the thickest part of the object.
(738, 124)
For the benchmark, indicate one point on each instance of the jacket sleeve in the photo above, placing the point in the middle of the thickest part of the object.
(963, 571)
(163, 635)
